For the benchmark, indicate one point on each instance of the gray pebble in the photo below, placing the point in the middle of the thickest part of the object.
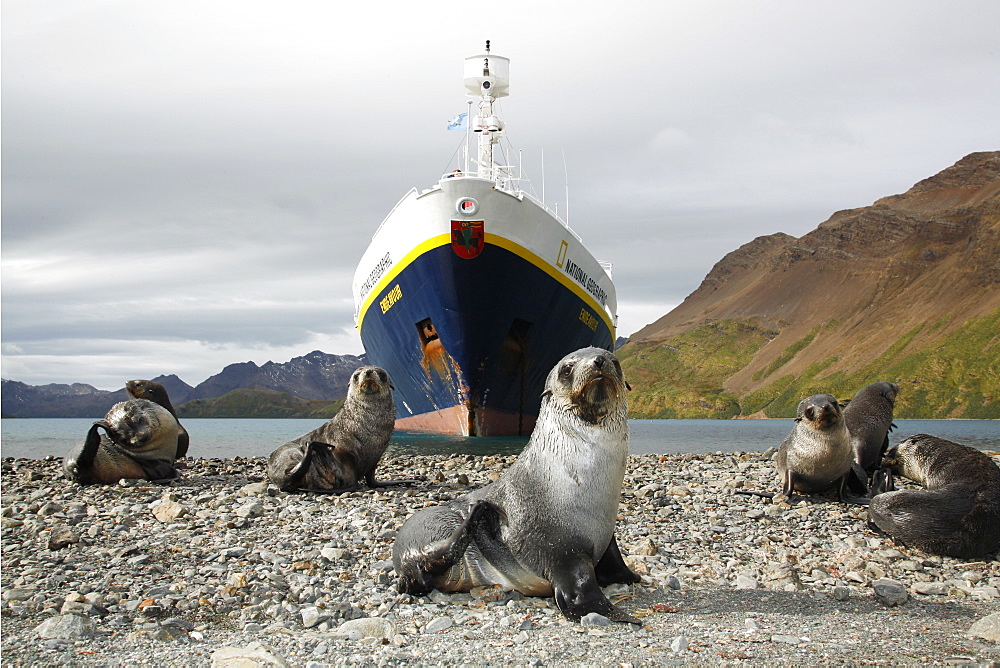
(890, 592)
(439, 624)
(594, 619)
(68, 627)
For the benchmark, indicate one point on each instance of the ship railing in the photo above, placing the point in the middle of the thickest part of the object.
(512, 185)
(607, 266)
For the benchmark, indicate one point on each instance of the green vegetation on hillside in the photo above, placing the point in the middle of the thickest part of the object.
(957, 376)
(682, 377)
(258, 402)
(787, 355)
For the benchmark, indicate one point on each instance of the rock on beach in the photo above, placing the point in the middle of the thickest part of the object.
(221, 568)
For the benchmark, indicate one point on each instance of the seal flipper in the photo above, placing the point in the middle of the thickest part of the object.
(855, 481)
(295, 475)
(578, 593)
(612, 569)
(183, 441)
(852, 479)
(91, 445)
(75, 465)
(370, 480)
(788, 486)
(418, 568)
(293, 480)
(882, 482)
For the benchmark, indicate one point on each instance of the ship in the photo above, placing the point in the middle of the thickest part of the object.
(472, 289)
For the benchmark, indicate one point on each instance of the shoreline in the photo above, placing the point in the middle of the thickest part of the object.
(219, 561)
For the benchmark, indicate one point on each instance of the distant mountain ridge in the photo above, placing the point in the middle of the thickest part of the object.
(316, 377)
(907, 290)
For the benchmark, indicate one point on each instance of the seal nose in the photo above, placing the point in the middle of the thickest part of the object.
(599, 361)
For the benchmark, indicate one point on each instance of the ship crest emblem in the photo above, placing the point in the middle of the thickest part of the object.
(468, 238)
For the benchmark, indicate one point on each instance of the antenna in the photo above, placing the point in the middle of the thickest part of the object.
(468, 134)
(566, 177)
(487, 46)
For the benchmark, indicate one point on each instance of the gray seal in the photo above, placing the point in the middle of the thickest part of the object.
(546, 526)
(957, 514)
(155, 392)
(140, 442)
(817, 454)
(336, 456)
(868, 417)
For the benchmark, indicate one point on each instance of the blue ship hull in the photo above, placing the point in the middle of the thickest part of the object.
(468, 343)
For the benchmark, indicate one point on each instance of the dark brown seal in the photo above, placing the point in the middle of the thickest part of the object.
(868, 417)
(338, 455)
(546, 527)
(140, 442)
(957, 514)
(155, 392)
(817, 454)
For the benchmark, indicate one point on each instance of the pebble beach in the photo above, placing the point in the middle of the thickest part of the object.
(220, 568)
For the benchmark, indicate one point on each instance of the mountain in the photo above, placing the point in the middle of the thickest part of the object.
(316, 377)
(57, 400)
(907, 290)
(259, 402)
(313, 376)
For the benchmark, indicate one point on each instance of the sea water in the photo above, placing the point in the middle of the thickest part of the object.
(35, 438)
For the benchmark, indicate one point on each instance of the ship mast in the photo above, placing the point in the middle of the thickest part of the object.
(487, 77)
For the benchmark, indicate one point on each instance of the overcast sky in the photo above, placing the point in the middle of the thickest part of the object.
(188, 184)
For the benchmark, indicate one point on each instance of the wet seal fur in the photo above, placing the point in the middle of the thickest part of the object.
(546, 526)
(336, 456)
(155, 392)
(868, 417)
(957, 514)
(140, 442)
(817, 454)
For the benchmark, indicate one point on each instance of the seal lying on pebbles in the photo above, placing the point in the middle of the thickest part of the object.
(817, 454)
(546, 526)
(153, 391)
(957, 514)
(336, 456)
(140, 442)
(868, 417)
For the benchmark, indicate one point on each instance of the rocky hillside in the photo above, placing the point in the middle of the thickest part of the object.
(907, 289)
(304, 384)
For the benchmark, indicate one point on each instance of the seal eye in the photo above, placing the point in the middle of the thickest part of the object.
(567, 370)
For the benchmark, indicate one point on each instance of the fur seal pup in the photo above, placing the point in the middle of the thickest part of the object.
(546, 526)
(817, 454)
(140, 442)
(957, 514)
(336, 456)
(153, 391)
(868, 417)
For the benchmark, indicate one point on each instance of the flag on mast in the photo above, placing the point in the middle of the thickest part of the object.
(459, 122)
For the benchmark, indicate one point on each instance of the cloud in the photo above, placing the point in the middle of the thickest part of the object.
(191, 184)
